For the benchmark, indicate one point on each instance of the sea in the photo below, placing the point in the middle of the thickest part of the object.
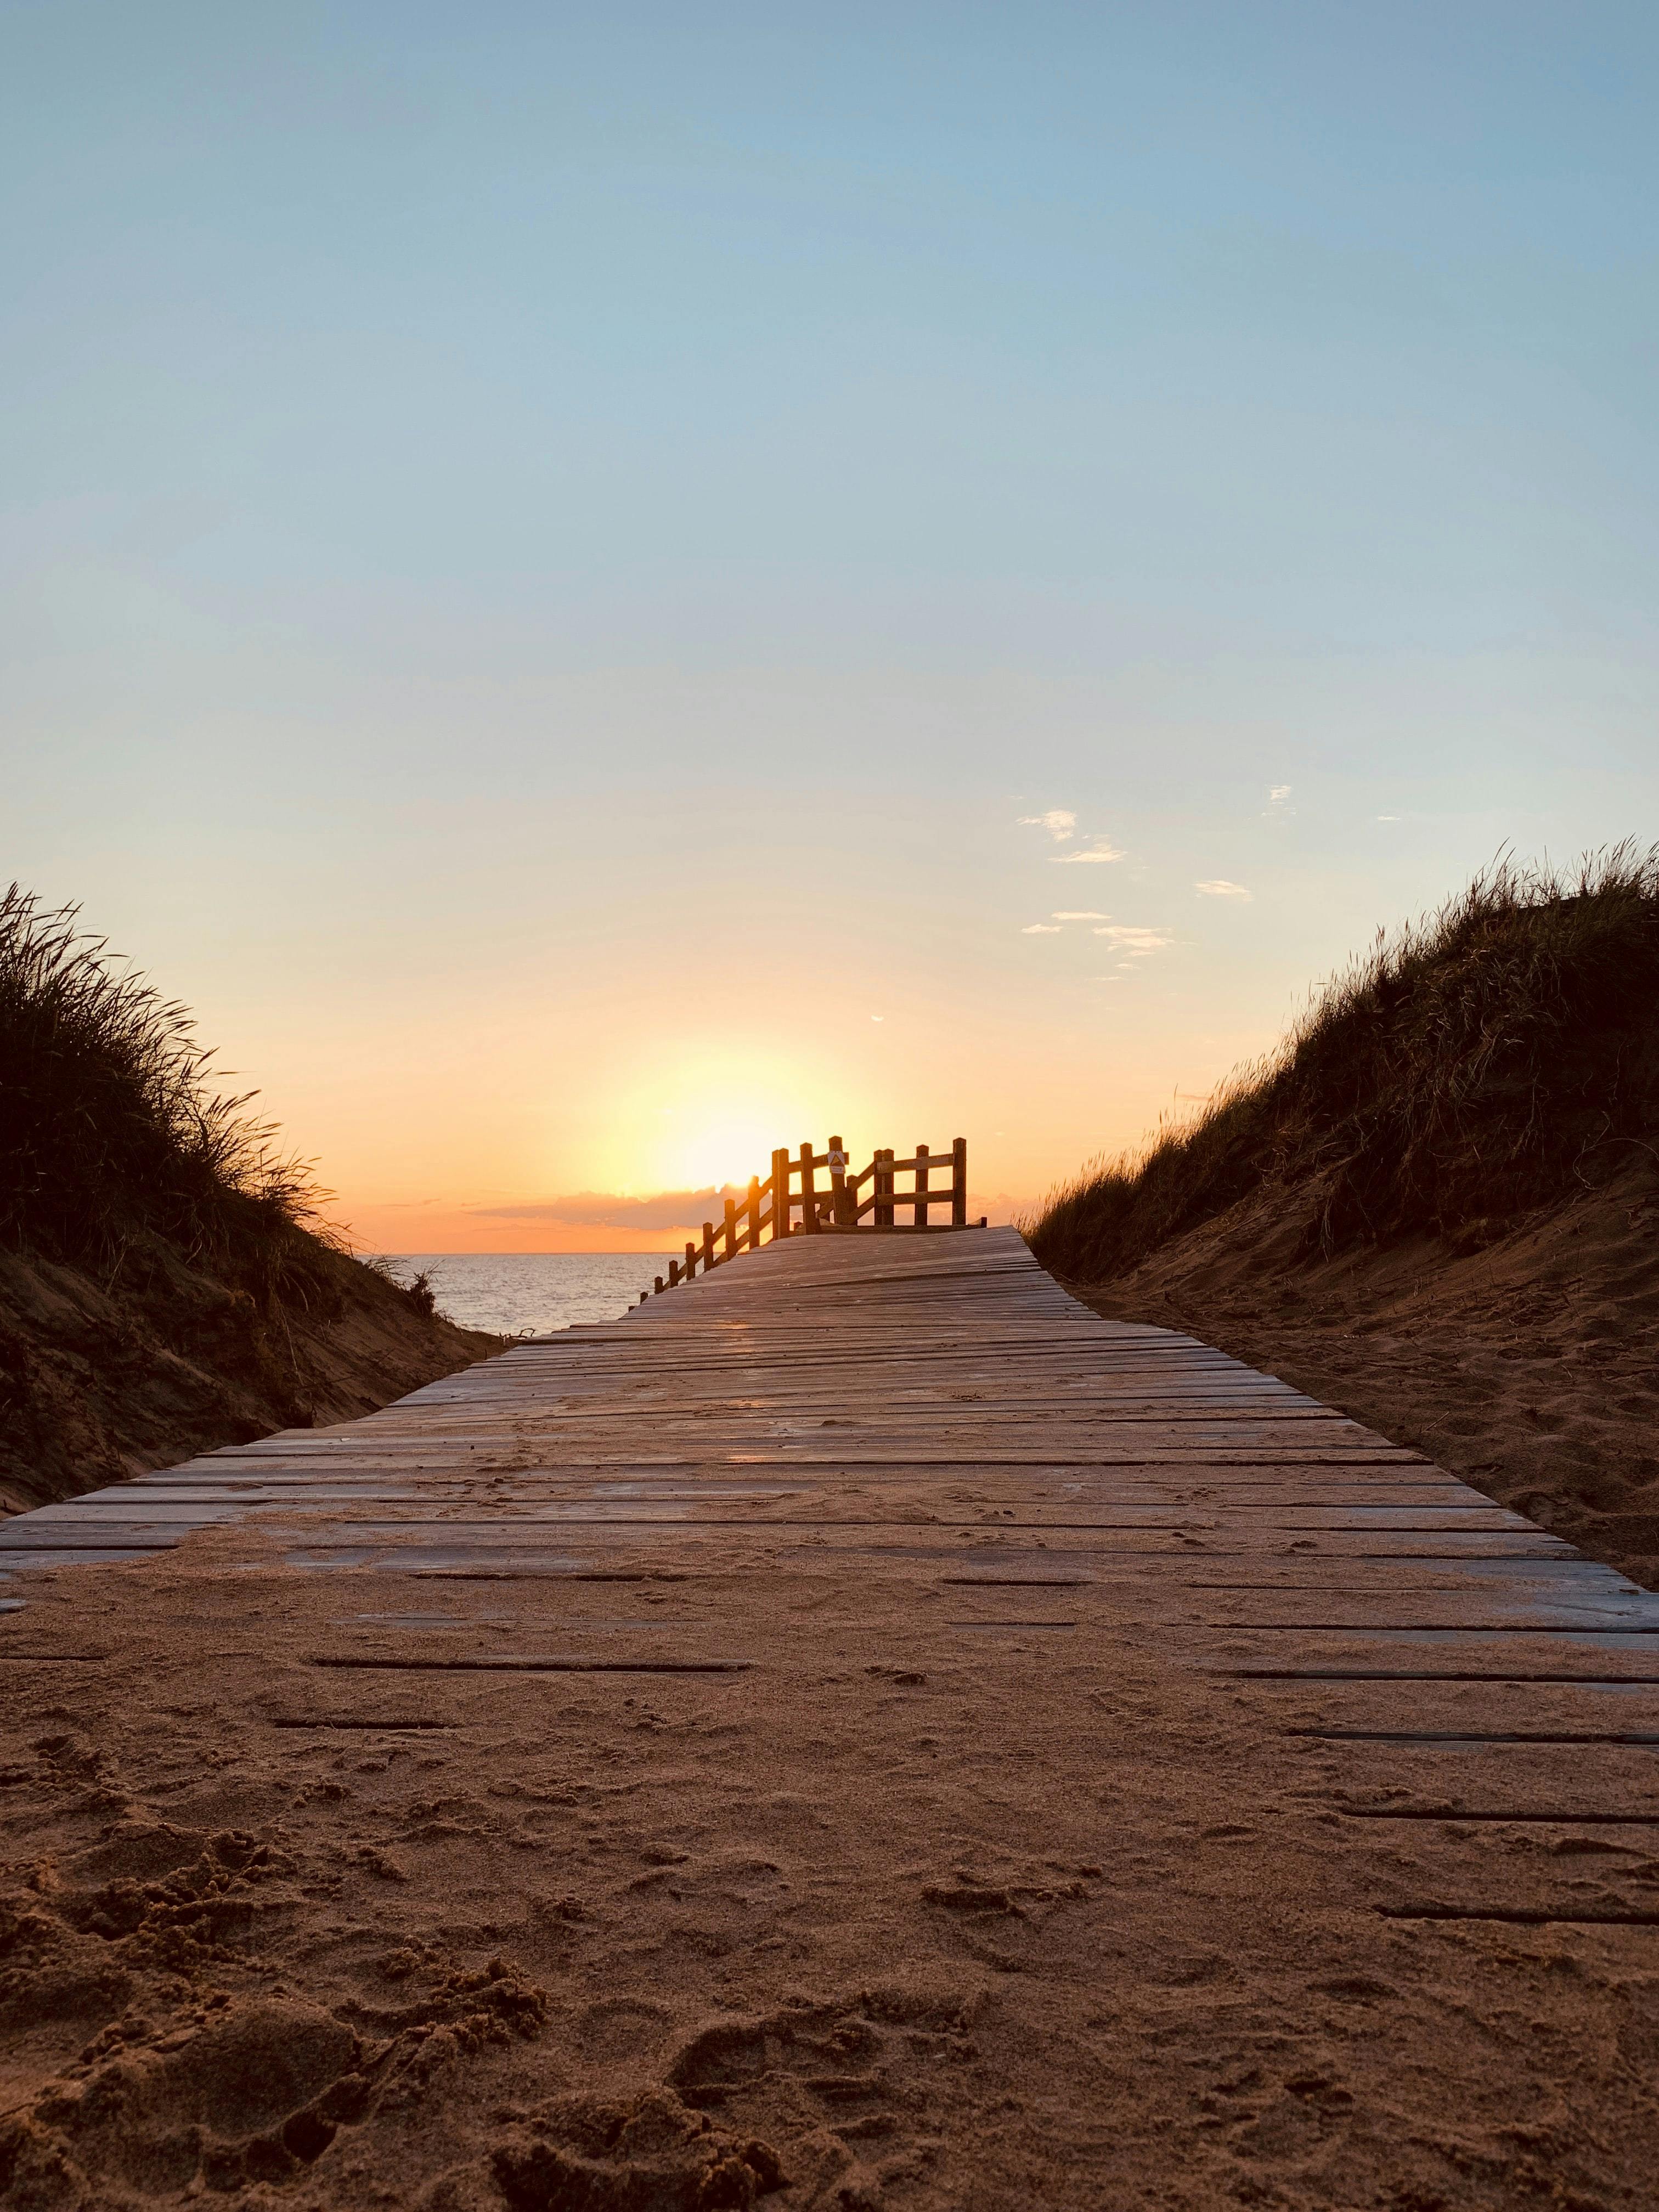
(513, 1293)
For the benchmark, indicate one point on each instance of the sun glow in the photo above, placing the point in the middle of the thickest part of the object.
(717, 1144)
(694, 1123)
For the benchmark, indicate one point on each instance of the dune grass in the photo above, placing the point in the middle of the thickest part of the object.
(113, 1134)
(1483, 1061)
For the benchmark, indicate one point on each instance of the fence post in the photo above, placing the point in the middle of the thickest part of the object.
(690, 1259)
(730, 1229)
(808, 1204)
(921, 1186)
(658, 1286)
(707, 1246)
(882, 1217)
(753, 1213)
(780, 1195)
(837, 1181)
(959, 1182)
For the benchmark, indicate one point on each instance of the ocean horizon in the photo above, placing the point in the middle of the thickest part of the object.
(512, 1293)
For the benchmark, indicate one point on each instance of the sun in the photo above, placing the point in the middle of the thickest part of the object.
(716, 1145)
(713, 1118)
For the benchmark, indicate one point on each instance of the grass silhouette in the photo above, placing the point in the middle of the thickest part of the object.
(1502, 1053)
(112, 1130)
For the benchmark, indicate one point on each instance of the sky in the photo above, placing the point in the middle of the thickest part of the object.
(599, 589)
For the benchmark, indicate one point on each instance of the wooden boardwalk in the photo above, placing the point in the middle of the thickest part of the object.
(927, 1434)
(940, 1404)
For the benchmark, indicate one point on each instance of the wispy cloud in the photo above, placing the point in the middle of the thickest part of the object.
(1278, 807)
(1135, 943)
(1058, 823)
(1041, 929)
(1218, 887)
(1100, 850)
(1388, 817)
(1080, 913)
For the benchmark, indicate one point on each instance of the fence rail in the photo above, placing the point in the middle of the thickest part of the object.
(790, 1201)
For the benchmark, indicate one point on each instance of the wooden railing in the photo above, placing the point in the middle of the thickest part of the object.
(790, 1201)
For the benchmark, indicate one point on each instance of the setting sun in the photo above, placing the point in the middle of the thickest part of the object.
(724, 1140)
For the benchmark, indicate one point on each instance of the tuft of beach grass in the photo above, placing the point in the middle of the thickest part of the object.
(114, 1131)
(1493, 1056)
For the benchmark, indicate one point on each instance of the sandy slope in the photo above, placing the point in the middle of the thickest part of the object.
(99, 1383)
(1529, 1365)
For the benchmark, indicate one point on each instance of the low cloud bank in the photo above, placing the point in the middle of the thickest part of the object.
(609, 1209)
(679, 1209)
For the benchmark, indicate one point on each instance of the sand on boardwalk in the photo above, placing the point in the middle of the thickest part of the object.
(901, 1913)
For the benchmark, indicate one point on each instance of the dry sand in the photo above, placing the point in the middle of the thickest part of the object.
(901, 1916)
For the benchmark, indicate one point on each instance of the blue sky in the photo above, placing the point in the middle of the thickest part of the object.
(526, 530)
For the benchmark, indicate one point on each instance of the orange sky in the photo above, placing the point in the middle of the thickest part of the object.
(492, 1033)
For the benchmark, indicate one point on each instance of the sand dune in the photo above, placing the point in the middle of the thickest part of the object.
(1530, 1364)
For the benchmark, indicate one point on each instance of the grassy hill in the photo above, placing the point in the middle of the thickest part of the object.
(1435, 1203)
(165, 1285)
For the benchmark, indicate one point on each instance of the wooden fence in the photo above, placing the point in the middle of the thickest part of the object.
(792, 1202)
